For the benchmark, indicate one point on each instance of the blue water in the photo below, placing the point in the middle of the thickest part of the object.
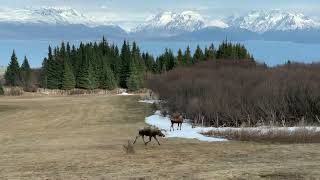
(270, 52)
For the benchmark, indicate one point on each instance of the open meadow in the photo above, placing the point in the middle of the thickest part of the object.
(82, 138)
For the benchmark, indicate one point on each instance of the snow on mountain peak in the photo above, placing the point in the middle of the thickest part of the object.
(173, 23)
(48, 15)
(263, 21)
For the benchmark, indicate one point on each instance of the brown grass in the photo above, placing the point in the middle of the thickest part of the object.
(82, 138)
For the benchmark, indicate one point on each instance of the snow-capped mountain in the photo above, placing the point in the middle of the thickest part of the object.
(54, 23)
(171, 23)
(49, 15)
(273, 20)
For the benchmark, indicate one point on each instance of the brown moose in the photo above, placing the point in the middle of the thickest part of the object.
(151, 132)
(176, 118)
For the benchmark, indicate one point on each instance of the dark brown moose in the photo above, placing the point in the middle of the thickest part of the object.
(176, 118)
(151, 132)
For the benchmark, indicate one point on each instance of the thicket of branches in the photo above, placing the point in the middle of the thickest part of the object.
(234, 93)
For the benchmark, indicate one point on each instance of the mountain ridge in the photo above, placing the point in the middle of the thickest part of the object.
(68, 23)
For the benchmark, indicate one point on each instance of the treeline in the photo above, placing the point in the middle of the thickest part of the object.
(103, 65)
(226, 50)
(236, 93)
(93, 65)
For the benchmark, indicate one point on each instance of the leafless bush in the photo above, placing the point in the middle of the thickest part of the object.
(301, 135)
(77, 91)
(30, 88)
(13, 91)
(233, 93)
(128, 148)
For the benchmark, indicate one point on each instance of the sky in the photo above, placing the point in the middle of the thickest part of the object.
(128, 13)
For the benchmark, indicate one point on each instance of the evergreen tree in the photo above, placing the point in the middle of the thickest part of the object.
(125, 65)
(135, 80)
(69, 81)
(25, 73)
(1, 90)
(169, 60)
(54, 74)
(180, 58)
(198, 55)
(86, 78)
(12, 74)
(44, 74)
(187, 56)
(209, 53)
(108, 80)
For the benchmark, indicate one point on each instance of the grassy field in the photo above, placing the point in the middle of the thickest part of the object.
(82, 138)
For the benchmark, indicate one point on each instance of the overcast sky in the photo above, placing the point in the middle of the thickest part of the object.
(130, 12)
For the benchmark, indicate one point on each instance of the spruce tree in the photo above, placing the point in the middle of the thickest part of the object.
(125, 65)
(198, 55)
(169, 60)
(44, 74)
(187, 56)
(12, 74)
(209, 53)
(180, 58)
(68, 81)
(86, 77)
(108, 79)
(25, 73)
(54, 74)
(135, 80)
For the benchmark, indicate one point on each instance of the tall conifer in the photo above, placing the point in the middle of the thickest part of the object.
(12, 74)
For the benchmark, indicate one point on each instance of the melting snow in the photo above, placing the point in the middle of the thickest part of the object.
(125, 94)
(186, 132)
(150, 101)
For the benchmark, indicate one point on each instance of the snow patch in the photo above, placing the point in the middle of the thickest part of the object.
(150, 101)
(186, 132)
(125, 94)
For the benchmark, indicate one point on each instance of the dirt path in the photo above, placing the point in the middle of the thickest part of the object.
(82, 138)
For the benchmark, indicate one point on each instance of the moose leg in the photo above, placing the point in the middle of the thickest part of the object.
(180, 126)
(155, 137)
(136, 139)
(143, 139)
(171, 126)
(148, 141)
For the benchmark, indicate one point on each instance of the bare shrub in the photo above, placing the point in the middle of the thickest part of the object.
(232, 93)
(77, 92)
(30, 88)
(14, 91)
(128, 148)
(301, 135)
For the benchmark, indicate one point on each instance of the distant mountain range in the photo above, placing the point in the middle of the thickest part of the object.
(67, 23)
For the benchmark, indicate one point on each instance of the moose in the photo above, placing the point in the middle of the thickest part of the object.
(176, 118)
(151, 132)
